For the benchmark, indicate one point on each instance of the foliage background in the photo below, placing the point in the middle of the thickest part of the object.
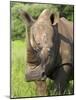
(19, 86)
(18, 28)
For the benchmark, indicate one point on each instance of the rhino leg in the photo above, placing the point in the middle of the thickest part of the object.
(62, 79)
(41, 88)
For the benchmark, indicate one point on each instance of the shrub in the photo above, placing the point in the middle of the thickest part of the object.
(17, 25)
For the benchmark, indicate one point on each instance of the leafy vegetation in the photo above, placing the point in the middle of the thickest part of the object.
(66, 11)
(17, 25)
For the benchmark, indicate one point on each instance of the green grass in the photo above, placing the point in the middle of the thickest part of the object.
(19, 86)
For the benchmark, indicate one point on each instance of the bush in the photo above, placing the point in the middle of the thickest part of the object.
(36, 9)
(17, 25)
(66, 11)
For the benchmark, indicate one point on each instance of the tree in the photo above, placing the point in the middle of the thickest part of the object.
(66, 11)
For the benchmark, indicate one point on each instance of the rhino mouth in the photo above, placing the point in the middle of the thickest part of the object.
(36, 73)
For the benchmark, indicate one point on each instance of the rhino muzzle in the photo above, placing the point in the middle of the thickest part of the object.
(36, 73)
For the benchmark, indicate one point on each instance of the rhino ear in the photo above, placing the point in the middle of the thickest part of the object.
(54, 18)
(28, 20)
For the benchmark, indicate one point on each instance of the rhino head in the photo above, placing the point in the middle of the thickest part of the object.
(42, 35)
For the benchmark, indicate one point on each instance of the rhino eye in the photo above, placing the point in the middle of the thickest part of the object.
(39, 48)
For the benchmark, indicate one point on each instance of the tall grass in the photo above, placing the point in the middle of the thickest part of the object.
(19, 86)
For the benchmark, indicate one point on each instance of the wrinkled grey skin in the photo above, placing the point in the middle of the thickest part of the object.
(50, 48)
